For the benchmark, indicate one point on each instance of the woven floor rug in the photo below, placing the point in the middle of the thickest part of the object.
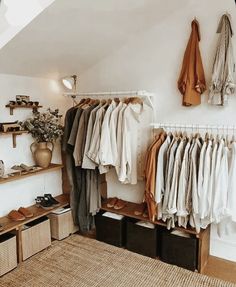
(83, 262)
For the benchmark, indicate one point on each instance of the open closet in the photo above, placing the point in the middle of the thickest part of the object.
(117, 143)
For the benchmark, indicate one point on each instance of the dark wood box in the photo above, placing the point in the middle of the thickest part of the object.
(180, 251)
(109, 230)
(141, 239)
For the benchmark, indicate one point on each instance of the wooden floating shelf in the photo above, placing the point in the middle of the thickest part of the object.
(10, 225)
(14, 135)
(12, 107)
(129, 209)
(52, 167)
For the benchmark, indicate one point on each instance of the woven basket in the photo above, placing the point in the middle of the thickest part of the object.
(8, 254)
(62, 225)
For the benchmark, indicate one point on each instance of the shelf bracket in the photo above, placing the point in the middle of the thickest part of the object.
(11, 111)
(14, 139)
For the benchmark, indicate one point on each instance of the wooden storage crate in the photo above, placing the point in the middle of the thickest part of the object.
(8, 253)
(36, 237)
(62, 225)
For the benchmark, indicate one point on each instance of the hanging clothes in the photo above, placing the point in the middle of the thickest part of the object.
(191, 83)
(67, 149)
(190, 181)
(223, 81)
(100, 135)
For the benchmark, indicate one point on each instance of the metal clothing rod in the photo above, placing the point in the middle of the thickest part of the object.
(112, 93)
(193, 126)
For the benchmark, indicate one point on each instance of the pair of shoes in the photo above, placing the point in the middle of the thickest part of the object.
(141, 210)
(47, 201)
(20, 215)
(116, 203)
(23, 167)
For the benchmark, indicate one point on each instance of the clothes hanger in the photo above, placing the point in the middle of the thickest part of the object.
(80, 103)
(117, 100)
(185, 135)
(233, 135)
(135, 100)
(197, 135)
(148, 101)
(86, 104)
(227, 141)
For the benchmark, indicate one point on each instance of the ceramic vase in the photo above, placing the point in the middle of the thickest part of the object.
(42, 154)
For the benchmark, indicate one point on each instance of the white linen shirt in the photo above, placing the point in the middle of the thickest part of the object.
(113, 133)
(105, 148)
(119, 138)
(128, 170)
(220, 199)
(183, 185)
(204, 204)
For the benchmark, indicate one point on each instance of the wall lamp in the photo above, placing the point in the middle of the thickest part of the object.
(70, 82)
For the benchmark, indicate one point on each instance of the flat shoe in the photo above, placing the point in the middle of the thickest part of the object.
(26, 167)
(145, 213)
(120, 204)
(139, 210)
(16, 216)
(111, 202)
(25, 212)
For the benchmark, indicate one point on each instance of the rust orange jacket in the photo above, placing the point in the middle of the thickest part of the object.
(150, 175)
(191, 83)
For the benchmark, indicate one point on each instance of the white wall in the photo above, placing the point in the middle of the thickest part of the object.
(152, 60)
(23, 192)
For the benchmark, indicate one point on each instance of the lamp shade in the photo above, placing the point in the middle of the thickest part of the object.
(70, 82)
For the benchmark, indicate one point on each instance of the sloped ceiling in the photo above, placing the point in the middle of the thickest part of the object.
(72, 35)
(12, 22)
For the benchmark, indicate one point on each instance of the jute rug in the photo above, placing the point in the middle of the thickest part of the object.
(79, 261)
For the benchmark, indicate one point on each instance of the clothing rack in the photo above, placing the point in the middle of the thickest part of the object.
(112, 93)
(193, 127)
(141, 93)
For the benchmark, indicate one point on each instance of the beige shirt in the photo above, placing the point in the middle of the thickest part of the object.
(96, 135)
(87, 163)
(81, 136)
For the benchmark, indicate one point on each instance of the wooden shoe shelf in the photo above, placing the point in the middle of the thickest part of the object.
(203, 236)
(52, 167)
(17, 227)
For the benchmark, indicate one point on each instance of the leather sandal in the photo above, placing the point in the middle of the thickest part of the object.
(16, 216)
(120, 204)
(25, 212)
(145, 213)
(139, 210)
(111, 202)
